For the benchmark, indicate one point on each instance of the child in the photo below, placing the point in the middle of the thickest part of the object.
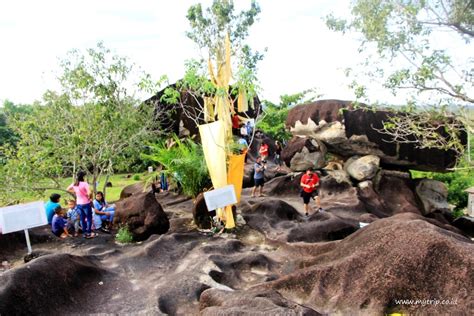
(59, 224)
(73, 217)
(51, 205)
(103, 212)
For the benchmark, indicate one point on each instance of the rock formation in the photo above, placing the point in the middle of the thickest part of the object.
(142, 214)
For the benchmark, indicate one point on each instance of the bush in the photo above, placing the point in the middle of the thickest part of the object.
(124, 235)
(136, 177)
(184, 163)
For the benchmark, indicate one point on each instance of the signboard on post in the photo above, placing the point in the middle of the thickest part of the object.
(221, 197)
(22, 217)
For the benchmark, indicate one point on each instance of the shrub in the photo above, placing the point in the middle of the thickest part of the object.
(124, 235)
(136, 177)
(184, 163)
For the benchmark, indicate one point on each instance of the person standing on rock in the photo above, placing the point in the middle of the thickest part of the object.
(263, 151)
(309, 184)
(258, 177)
(83, 195)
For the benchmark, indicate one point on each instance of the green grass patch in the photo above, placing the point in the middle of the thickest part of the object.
(119, 181)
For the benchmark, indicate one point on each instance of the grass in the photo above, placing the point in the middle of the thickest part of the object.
(119, 181)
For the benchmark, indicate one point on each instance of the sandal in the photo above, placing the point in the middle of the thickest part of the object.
(92, 235)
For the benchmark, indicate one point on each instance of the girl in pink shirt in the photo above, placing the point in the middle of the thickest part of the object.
(81, 189)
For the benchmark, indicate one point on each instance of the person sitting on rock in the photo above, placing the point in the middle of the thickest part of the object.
(309, 183)
(51, 206)
(59, 224)
(103, 212)
(258, 176)
(73, 217)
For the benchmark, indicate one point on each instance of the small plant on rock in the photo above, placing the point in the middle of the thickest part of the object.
(124, 236)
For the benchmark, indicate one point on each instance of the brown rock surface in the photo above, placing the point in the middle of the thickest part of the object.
(401, 257)
(47, 285)
(303, 153)
(142, 214)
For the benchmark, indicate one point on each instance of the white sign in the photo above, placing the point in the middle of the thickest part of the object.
(220, 197)
(23, 216)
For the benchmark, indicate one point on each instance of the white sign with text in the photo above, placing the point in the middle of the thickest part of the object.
(22, 216)
(221, 197)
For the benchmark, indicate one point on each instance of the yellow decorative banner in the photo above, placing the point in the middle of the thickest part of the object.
(213, 145)
(236, 173)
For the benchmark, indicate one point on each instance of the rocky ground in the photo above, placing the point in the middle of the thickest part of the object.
(279, 263)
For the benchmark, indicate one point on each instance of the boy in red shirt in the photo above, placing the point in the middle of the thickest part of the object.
(309, 183)
(263, 151)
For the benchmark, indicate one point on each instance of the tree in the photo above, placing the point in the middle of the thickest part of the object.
(93, 125)
(219, 33)
(403, 33)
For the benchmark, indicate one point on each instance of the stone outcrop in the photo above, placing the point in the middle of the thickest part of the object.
(433, 195)
(303, 153)
(362, 168)
(142, 214)
(355, 132)
(173, 119)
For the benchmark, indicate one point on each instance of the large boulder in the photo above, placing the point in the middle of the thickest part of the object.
(303, 153)
(363, 168)
(433, 195)
(357, 133)
(397, 191)
(49, 285)
(278, 220)
(173, 119)
(131, 189)
(371, 272)
(143, 215)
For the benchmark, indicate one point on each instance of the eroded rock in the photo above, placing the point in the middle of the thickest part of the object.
(142, 214)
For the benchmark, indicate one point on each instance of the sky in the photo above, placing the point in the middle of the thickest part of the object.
(302, 52)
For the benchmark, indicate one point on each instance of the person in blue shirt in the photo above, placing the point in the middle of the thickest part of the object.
(51, 205)
(258, 176)
(59, 224)
(103, 212)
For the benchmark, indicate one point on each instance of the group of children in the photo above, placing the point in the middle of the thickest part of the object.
(68, 223)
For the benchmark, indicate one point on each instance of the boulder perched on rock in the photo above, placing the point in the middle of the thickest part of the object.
(372, 271)
(303, 153)
(363, 168)
(47, 285)
(357, 133)
(433, 195)
(143, 215)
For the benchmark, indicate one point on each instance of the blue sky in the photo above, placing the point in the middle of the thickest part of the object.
(302, 52)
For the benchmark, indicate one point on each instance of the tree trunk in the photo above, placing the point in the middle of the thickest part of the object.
(104, 190)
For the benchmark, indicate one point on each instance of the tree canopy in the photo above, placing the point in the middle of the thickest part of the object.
(407, 34)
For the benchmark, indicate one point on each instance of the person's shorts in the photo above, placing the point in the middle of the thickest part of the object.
(259, 182)
(307, 196)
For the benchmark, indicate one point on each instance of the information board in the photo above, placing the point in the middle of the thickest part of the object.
(220, 197)
(22, 216)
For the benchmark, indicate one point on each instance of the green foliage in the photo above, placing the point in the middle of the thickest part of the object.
(273, 121)
(404, 34)
(136, 177)
(124, 236)
(184, 163)
(93, 125)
